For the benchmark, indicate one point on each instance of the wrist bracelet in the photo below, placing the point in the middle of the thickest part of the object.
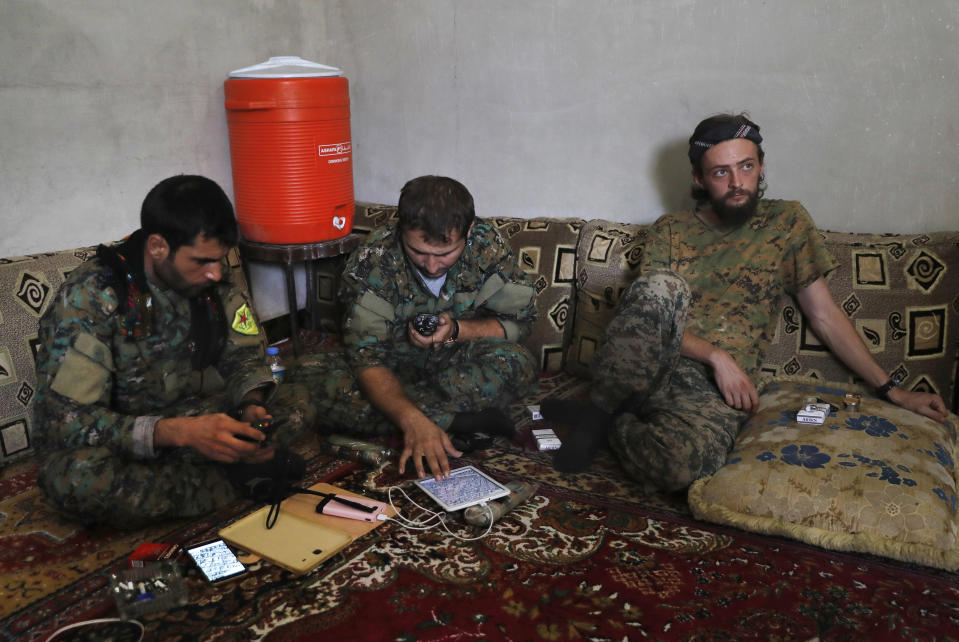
(883, 391)
(456, 332)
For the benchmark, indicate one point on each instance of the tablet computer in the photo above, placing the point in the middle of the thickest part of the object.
(295, 543)
(465, 487)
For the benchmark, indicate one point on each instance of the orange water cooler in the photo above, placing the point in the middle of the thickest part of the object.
(290, 146)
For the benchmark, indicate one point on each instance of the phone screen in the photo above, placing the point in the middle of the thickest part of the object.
(216, 560)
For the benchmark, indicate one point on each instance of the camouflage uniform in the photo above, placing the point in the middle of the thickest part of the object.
(106, 375)
(383, 292)
(673, 425)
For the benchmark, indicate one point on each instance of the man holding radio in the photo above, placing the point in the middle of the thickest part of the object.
(150, 372)
(674, 376)
(435, 309)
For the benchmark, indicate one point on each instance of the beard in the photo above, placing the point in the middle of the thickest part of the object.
(170, 278)
(735, 215)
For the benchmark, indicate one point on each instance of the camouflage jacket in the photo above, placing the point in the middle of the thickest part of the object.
(98, 384)
(737, 276)
(383, 291)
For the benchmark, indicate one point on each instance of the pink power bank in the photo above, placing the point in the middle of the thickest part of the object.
(337, 509)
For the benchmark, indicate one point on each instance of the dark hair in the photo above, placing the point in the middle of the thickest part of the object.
(716, 129)
(181, 207)
(437, 206)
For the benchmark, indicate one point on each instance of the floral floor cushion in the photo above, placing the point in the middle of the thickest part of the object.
(879, 480)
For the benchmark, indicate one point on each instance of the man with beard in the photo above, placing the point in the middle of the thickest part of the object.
(674, 375)
(150, 373)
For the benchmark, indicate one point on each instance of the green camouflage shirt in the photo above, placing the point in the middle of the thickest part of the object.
(737, 276)
(97, 387)
(383, 291)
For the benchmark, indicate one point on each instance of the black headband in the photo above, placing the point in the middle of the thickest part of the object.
(718, 134)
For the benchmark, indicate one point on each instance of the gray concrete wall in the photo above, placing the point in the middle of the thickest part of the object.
(560, 108)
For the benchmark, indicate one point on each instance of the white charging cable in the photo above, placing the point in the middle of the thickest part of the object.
(106, 620)
(436, 518)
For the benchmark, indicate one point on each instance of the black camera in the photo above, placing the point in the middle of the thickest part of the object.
(266, 426)
(426, 323)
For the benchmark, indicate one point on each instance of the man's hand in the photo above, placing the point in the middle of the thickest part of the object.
(737, 388)
(420, 340)
(214, 436)
(254, 413)
(443, 332)
(424, 440)
(469, 330)
(445, 328)
(922, 403)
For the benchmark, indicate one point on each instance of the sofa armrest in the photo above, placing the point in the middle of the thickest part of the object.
(27, 286)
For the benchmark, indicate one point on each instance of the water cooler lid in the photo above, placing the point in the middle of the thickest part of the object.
(286, 67)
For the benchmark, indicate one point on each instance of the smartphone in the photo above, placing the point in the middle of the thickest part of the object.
(215, 560)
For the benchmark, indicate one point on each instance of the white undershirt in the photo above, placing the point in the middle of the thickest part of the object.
(434, 285)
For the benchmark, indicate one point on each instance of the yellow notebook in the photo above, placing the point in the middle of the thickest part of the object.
(301, 539)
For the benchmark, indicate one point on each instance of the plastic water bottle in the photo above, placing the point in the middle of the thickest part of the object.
(276, 364)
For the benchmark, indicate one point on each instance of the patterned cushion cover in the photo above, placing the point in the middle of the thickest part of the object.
(881, 480)
(607, 261)
(901, 292)
(27, 285)
(369, 216)
(546, 249)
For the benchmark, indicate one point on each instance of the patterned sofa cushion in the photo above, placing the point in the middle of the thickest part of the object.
(901, 293)
(369, 216)
(607, 261)
(881, 480)
(27, 285)
(546, 249)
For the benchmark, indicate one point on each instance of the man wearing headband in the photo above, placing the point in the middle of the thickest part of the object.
(674, 375)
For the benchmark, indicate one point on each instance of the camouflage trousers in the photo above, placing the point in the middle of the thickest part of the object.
(672, 425)
(467, 376)
(98, 486)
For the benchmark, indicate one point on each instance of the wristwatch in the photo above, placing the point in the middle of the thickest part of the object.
(456, 331)
(883, 391)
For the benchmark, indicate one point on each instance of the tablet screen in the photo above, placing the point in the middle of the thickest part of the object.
(465, 487)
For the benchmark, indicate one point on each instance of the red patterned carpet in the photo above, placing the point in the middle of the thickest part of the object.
(589, 557)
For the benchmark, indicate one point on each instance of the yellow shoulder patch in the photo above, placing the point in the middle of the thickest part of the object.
(243, 321)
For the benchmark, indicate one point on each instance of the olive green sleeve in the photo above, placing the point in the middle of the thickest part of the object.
(75, 372)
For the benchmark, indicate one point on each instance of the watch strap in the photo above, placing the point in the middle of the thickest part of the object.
(456, 332)
(883, 391)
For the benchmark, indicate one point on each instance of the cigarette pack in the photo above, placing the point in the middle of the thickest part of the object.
(546, 439)
(809, 415)
(149, 552)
